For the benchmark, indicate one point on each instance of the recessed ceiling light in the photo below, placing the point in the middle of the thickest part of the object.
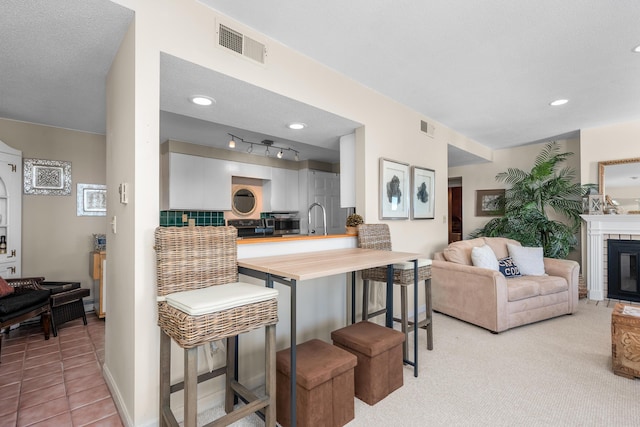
(637, 49)
(203, 101)
(296, 126)
(559, 102)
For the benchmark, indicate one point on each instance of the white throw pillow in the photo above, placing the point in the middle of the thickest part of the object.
(483, 256)
(528, 260)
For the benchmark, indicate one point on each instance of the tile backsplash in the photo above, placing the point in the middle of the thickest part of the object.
(176, 218)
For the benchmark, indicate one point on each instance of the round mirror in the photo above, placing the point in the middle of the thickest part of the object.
(244, 201)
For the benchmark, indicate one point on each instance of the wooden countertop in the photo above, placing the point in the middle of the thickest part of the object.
(312, 265)
(289, 238)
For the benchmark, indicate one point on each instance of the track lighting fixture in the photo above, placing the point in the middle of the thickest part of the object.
(267, 143)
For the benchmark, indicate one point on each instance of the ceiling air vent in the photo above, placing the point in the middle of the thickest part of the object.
(239, 43)
(427, 128)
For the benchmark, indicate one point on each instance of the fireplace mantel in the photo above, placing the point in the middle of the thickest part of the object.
(597, 227)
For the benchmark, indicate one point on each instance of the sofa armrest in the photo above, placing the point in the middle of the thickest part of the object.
(570, 271)
(473, 294)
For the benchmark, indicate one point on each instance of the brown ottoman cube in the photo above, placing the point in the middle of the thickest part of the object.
(379, 352)
(324, 389)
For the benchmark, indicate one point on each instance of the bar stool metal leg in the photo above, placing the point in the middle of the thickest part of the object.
(404, 321)
(429, 320)
(365, 300)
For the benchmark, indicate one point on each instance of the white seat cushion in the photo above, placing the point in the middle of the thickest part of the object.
(424, 262)
(219, 297)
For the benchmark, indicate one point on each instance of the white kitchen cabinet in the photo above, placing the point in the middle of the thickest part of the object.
(283, 190)
(247, 170)
(197, 183)
(11, 211)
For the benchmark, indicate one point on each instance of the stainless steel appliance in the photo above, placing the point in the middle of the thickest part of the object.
(283, 226)
(252, 227)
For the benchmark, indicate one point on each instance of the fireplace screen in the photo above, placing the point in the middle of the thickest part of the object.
(623, 271)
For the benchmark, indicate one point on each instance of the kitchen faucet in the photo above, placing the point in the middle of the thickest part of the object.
(324, 217)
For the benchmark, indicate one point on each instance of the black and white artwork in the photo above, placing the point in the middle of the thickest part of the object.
(423, 189)
(394, 189)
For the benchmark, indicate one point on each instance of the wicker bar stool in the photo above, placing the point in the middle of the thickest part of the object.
(200, 300)
(377, 236)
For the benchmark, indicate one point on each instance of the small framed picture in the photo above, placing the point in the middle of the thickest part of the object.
(394, 189)
(422, 193)
(91, 200)
(490, 202)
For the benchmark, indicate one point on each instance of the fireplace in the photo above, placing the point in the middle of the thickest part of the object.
(600, 229)
(622, 266)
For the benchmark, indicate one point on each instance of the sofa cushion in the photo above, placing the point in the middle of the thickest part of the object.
(483, 256)
(499, 245)
(552, 284)
(508, 268)
(524, 287)
(529, 260)
(460, 252)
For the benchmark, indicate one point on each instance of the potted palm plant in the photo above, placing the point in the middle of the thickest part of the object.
(353, 221)
(548, 186)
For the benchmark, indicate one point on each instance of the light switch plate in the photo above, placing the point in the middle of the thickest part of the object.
(124, 195)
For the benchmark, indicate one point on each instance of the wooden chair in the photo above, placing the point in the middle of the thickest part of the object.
(377, 236)
(27, 301)
(200, 300)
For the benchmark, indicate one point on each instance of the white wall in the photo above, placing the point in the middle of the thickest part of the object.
(613, 142)
(186, 29)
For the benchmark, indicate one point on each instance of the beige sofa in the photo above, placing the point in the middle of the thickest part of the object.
(486, 298)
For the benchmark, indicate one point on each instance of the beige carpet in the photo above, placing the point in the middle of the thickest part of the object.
(552, 373)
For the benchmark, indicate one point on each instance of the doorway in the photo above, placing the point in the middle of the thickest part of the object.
(455, 209)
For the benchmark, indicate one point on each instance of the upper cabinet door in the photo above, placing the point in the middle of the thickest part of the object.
(198, 183)
(284, 190)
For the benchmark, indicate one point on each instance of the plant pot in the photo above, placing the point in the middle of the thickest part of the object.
(352, 231)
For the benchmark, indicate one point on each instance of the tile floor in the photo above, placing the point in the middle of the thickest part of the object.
(56, 382)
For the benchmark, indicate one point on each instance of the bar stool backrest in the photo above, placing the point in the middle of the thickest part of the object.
(195, 257)
(374, 236)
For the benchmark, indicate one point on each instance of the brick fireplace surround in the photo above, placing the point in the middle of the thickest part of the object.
(601, 228)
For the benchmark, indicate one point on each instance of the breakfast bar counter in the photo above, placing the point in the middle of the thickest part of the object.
(289, 268)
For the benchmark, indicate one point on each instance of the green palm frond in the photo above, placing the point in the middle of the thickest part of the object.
(548, 186)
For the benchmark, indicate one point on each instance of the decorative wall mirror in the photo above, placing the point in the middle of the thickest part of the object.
(620, 180)
(244, 201)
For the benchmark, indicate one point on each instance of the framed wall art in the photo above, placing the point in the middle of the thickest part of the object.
(47, 177)
(490, 202)
(91, 200)
(394, 189)
(422, 193)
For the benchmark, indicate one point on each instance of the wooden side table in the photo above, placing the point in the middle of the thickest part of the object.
(625, 342)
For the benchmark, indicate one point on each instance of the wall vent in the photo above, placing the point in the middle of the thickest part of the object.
(427, 128)
(241, 44)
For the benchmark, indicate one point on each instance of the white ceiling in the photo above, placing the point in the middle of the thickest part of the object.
(487, 69)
